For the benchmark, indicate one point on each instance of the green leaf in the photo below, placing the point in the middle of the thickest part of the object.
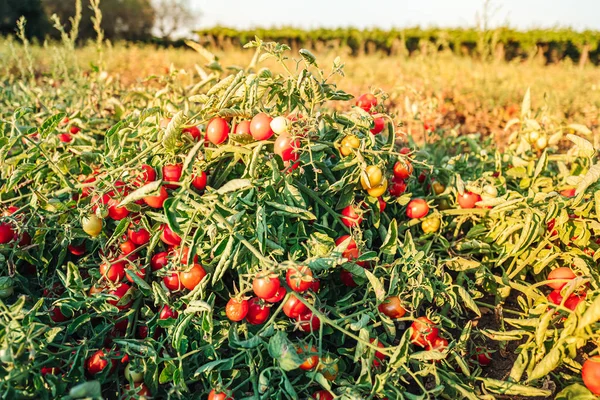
(512, 389)
(50, 124)
(575, 391)
(224, 365)
(235, 185)
(376, 285)
(284, 351)
(146, 190)
(90, 389)
(468, 300)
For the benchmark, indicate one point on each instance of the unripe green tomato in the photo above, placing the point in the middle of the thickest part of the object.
(92, 225)
(134, 376)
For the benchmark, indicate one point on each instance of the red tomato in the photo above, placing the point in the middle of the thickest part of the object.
(309, 322)
(192, 277)
(346, 278)
(397, 188)
(127, 247)
(392, 307)
(350, 218)
(258, 312)
(294, 308)
(139, 236)
(568, 192)
(74, 130)
(243, 128)
(265, 286)
(97, 362)
(379, 125)
(311, 360)
(382, 204)
(590, 373)
(260, 127)
(119, 292)
(193, 131)
(65, 137)
(562, 276)
(468, 199)
(6, 233)
(281, 292)
(159, 260)
(214, 395)
(351, 252)
(286, 147)
(113, 271)
(403, 169)
(56, 315)
(573, 301)
(316, 285)
(236, 309)
(115, 212)
(417, 208)
(139, 391)
(172, 173)
(322, 395)
(181, 255)
(439, 344)
(172, 281)
(217, 130)
(555, 297)
(168, 236)
(199, 181)
(77, 250)
(423, 332)
(49, 370)
(366, 101)
(140, 272)
(378, 355)
(158, 200)
(483, 356)
(146, 175)
(167, 312)
(299, 279)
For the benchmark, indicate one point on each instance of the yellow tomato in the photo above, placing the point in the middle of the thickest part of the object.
(328, 368)
(378, 190)
(371, 178)
(92, 225)
(349, 143)
(431, 224)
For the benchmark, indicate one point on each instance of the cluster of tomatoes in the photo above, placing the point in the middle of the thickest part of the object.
(72, 129)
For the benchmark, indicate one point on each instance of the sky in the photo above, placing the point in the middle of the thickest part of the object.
(523, 14)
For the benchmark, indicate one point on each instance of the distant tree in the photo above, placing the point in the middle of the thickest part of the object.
(12, 10)
(121, 19)
(172, 16)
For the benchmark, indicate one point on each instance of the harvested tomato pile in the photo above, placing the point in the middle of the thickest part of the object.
(239, 239)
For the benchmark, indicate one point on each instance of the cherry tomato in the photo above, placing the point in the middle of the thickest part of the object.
(378, 190)
(423, 332)
(167, 312)
(483, 356)
(65, 137)
(568, 192)
(590, 373)
(243, 128)
(139, 236)
(322, 395)
(379, 124)
(286, 147)
(573, 301)
(7, 233)
(139, 391)
(97, 362)
(214, 395)
(382, 204)
(217, 130)
(417, 208)
(468, 199)
(372, 177)
(351, 252)
(192, 277)
(260, 127)
(56, 315)
(172, 173)
(431, 224)
(438, 188)
(159, 260)
(347, 279)
(193, 131)
(199, 181)
(265, 286)
(49, 370)
(258, 312)
(279, 124)
(561, 276)
(403, 169)
(133, 376)
(378, 355)
(299, 279)
(140, 272)
(119, 292)
(158, 200)
(181, 255)
(293, 307)
(281, 292)
(309, 322)
(172, 281)
(392, 307)
(349, 143)
(168, 236)
(439, 344)
(113, 271)
(74, 130)
(236, 309)
(350, 218)
(366, 101)
(397, 188)
(311, 360)
(77, 250)
(92, 225)
(115, 212)
(127, 247)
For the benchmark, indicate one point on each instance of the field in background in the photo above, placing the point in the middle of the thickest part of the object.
(443, 89)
